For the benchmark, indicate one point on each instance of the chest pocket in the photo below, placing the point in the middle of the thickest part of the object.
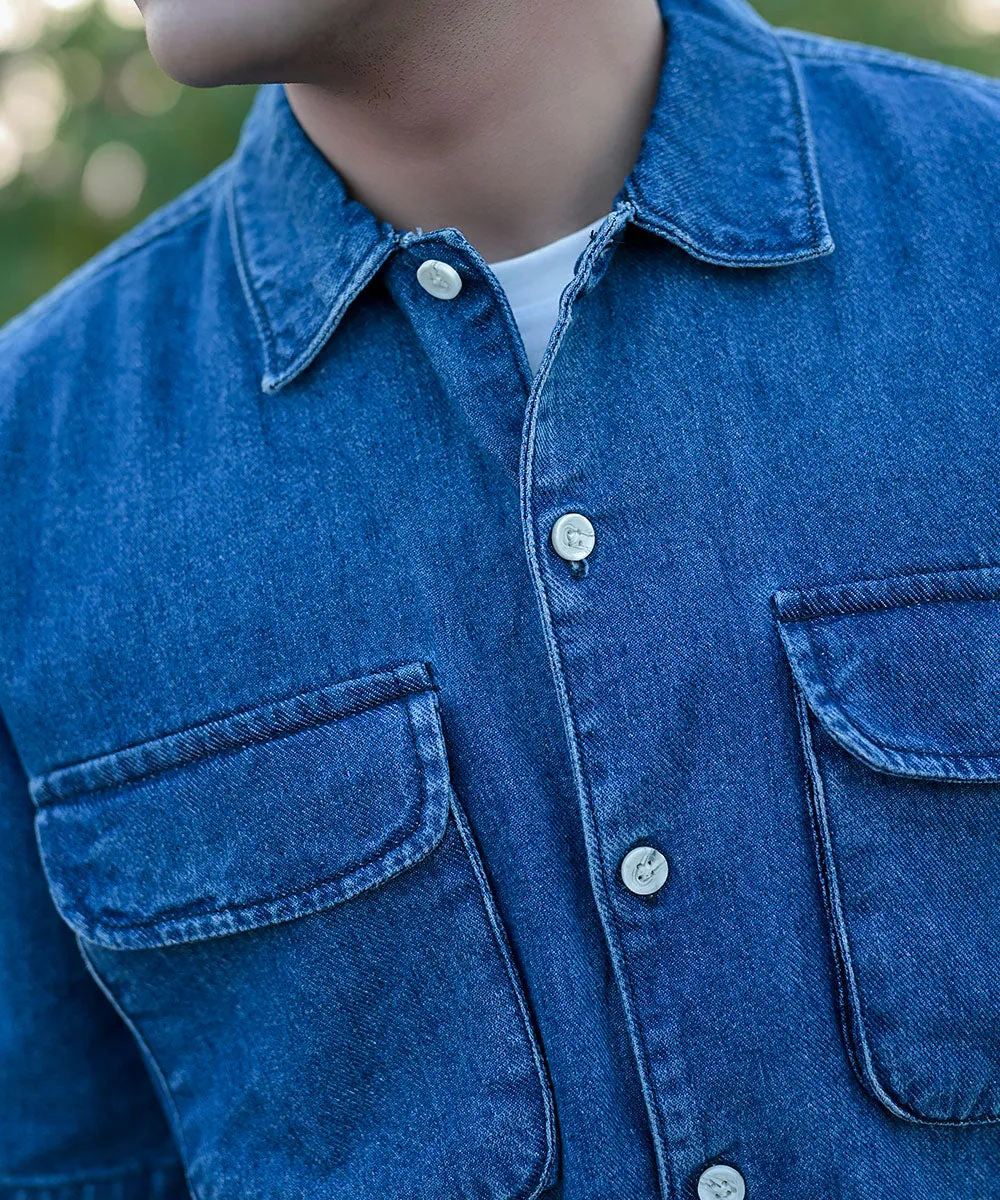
(288, 908)
(897, 685)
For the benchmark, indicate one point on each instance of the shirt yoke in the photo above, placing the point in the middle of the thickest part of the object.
(816, 47)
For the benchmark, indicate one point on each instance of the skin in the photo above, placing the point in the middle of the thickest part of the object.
(515, 121)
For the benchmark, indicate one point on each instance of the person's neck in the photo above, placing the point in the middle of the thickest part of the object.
(515, 123)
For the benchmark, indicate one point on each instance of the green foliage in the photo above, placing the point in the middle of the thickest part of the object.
(46, 227)
(63, 205)
(964, 33)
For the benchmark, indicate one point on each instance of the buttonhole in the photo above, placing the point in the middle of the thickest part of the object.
(579, 569)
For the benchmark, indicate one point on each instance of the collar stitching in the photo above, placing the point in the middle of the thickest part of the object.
(807, 156)
(364, 273)
(657, 223)
(254, 303)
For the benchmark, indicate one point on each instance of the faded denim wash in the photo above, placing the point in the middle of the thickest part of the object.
(319, 764)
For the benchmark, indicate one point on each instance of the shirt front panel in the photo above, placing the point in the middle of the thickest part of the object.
(188, 544)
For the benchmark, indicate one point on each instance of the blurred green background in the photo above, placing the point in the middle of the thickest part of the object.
(93, 135)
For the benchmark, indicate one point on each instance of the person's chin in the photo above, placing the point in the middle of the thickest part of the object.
(195, 54)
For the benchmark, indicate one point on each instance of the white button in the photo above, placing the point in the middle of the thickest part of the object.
(644, 871)
(721, 1183)
(439, 278)
(573, 537)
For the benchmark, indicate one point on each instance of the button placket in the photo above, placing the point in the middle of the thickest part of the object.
(558, 463)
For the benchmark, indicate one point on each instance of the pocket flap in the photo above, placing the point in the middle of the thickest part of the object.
(903, 672)
(257, 817)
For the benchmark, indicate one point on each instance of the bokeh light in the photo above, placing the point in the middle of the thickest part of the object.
(83, 73)
(124, 13)
(32, 101)
(11, 154)
(113, 180)
(978, 16)
(22, 23)
(145, 88)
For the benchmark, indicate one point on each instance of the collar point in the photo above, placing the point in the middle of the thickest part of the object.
(273, 381)
(736, 250)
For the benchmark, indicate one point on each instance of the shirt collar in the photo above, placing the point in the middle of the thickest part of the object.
(725, 171)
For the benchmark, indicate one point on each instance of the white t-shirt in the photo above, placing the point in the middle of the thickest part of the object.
(534, 283)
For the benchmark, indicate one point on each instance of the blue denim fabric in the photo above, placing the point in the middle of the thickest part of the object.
(318, 764)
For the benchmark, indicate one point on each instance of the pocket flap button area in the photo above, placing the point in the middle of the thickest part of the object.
(644, 870)
(440, 279)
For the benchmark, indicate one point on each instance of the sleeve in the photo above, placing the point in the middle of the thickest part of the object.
(79, 1115)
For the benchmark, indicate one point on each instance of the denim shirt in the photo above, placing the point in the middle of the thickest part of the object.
(320, 764)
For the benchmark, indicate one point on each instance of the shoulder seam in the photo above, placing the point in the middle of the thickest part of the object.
(820, 48)
(183, 209)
